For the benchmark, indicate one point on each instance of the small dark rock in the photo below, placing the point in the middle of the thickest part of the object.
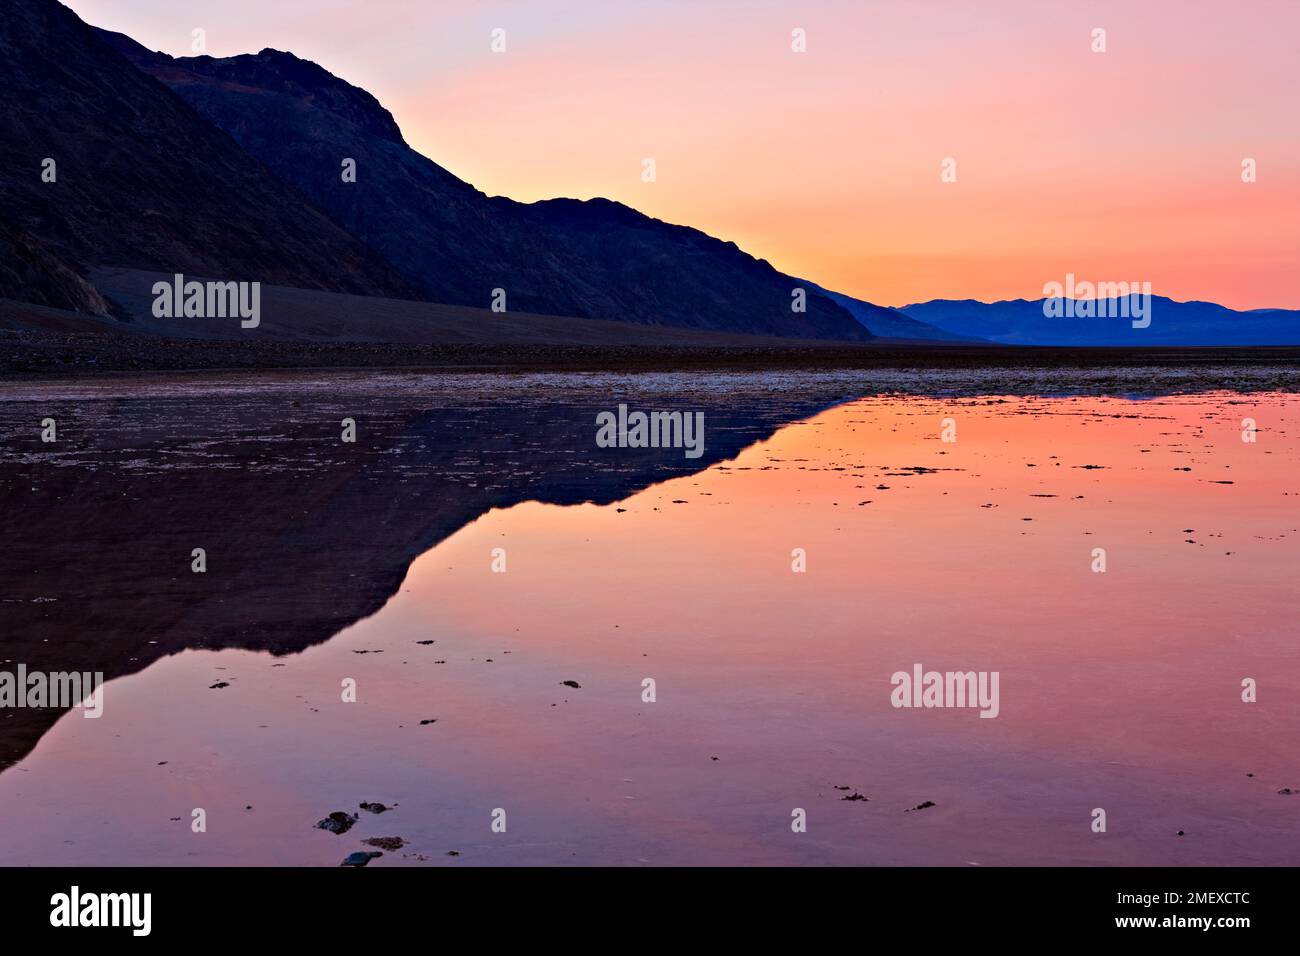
(360, 858)
(374, 808)
(337, 822)
(922, 806)
(570, 683)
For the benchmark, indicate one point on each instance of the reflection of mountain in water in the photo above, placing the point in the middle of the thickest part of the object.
(304, 534)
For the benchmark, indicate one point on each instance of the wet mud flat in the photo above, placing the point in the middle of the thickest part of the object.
(36, 345)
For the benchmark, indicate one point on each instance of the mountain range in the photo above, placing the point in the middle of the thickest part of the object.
(1038, 322)
(231, 169)
(118, 157)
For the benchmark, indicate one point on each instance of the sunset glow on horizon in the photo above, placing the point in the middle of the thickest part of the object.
(1117, 166)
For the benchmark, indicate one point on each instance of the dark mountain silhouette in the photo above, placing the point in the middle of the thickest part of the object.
(1023, 322)
(892, 323)
(594, 259)
(140, 178)
(231, 169)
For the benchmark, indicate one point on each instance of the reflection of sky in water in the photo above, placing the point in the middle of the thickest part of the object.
(1118, 690)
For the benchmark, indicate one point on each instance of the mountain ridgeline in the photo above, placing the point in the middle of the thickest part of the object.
(1110, 322)
(104, 166)
(120, 158)
(453, 243)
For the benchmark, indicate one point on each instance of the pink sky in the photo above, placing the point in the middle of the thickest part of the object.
(1123, 165)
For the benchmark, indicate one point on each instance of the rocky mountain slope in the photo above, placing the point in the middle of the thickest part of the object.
(594, 259)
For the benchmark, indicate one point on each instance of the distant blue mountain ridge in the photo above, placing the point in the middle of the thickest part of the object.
(1060, 321)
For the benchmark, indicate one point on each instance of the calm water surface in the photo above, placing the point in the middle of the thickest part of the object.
(1118, 690)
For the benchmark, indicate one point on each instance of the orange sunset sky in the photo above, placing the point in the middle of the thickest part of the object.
(1117, 166)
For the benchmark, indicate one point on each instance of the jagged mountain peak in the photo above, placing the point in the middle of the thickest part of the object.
(272, 69)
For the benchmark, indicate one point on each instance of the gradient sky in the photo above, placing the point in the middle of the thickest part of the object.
(1122, 166)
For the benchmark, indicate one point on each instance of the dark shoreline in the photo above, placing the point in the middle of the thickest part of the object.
(28, 355)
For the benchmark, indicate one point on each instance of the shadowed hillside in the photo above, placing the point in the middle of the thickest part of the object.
(596, 259)
(140, 178)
